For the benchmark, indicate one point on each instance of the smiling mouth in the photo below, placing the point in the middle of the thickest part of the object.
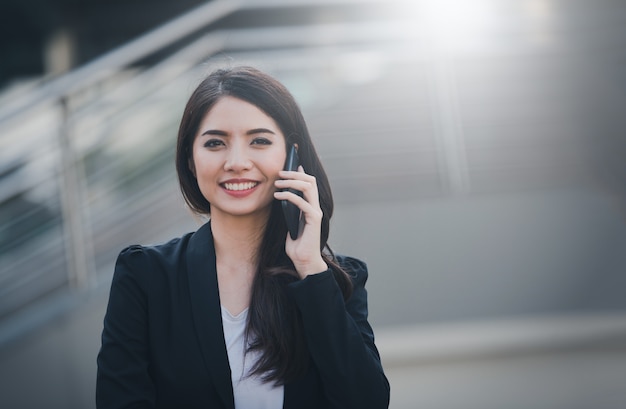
(240, 186)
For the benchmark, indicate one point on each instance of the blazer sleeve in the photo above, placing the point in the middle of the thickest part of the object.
(123, 380)
(340, 339)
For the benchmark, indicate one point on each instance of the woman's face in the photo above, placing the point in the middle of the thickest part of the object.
(237, 154)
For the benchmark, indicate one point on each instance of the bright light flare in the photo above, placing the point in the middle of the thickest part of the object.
(453, 25)
(541, 20)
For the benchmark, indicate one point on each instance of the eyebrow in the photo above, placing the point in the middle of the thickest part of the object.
(250, 132)
(259, 130)
(214, 132)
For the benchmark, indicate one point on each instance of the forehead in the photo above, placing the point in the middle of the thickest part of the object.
(234, 113)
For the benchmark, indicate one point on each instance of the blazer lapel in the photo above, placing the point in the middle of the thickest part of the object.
(205, 305)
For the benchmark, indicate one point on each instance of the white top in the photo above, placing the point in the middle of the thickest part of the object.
(250, 391)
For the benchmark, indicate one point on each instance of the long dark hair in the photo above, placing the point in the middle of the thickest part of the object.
(274, 325)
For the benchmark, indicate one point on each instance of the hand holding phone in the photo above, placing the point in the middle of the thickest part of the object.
(292, 213)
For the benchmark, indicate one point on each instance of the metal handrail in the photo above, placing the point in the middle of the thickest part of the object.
(113, 61)
(157, 39)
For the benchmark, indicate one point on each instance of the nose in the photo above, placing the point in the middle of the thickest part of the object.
(237, 159)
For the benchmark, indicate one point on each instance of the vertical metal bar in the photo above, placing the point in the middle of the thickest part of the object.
(78, 247)
(449, 131)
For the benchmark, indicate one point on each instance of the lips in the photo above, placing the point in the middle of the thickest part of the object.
(239, 186)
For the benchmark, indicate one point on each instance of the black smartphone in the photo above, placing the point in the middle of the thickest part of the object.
(292, 213)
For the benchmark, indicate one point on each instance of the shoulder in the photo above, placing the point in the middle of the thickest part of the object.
(163, 255)
(356, 268)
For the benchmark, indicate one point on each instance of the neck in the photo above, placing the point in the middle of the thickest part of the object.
(237, 239)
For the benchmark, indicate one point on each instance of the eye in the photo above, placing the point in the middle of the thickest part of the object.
(261, 141)
(213, 143)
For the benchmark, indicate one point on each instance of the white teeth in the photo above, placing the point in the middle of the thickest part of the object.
(240, 186)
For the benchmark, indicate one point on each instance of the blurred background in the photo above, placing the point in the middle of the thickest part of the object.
(475, 149)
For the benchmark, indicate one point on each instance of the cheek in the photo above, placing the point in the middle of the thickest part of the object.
(279, 161)
(201, 167)
(202, 159)
(281, 156)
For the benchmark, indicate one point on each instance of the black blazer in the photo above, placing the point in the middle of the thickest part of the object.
(163, 342)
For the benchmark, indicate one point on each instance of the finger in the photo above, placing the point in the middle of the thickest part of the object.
(307, 190)
(300, 185)
(307, 184)
(299, 175)
(306, 207)
(297, 200)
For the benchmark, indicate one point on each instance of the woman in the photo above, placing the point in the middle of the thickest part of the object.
(239, 314)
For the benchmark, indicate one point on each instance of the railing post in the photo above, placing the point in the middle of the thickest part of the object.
(451, 153)
(77, 237)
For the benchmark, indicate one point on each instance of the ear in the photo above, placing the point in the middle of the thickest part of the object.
(296, 145)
